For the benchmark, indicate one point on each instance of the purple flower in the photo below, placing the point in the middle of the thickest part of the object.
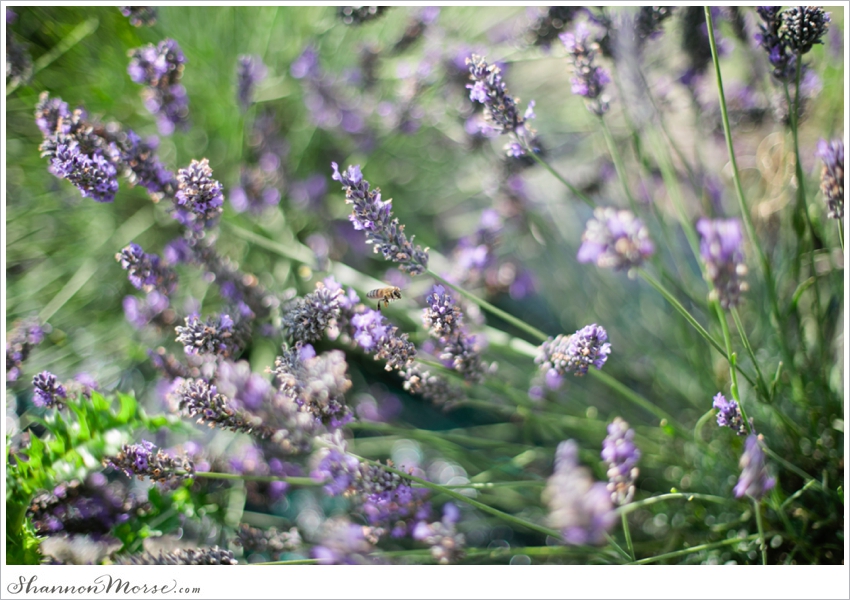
(256, 191)
(615, 239)
(832, 176)
(218, 336)
(337, 470)
(344, 543)
(199, 196)
(139, 15)
(770, 39)
(146, 271)
(500, 109)
(754, 481)
(357, 15)
(197, 398)
(91, 507)
(93, 175)
(307, 318)
(721, 249)
(146, 460)
(621, 455)
(447, 545)
(579, 507)
(589, 79)
(374, 217)
(51, 115)
(317, 384)
(160, 69)
(152, 308)
(577, 353)
(145, 168)
(239, 383)
(250, 70)
(729, 414)
(20, 340)
(49, 393)
(443, 319)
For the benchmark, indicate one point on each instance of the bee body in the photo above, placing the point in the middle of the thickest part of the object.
(385, 295)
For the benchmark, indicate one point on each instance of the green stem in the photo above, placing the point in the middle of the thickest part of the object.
(618, 162)
(628, 535)
(700, 548)
(690, 319)
(746, 341)
(299, 481)
(745, 212)
(518, 323)
(672, 496)
(461, 498)
(578, 193)
(75, 37)
(762, 545)
(841, 233)
(635, 398)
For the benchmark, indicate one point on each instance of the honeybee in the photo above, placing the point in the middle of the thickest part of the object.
(385, 295)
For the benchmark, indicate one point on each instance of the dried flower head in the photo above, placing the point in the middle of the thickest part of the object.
(803, 27)
(588, 80)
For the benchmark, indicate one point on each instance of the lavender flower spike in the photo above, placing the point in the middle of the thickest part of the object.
(621, 454)
(721, 249)
(587, 347)
(444, 319)
(20, 340)
(776, 46)
(589, 80)
(832, 176)
(754, 481)
(729, 414)
(374, 216)
(145, 460)
(250, 70)
(199, 196)
(500, 109)
(49, 393)
(615, 239)
(146, 271)
(578, 506)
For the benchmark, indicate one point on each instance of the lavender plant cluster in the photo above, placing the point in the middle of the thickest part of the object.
(427, 402)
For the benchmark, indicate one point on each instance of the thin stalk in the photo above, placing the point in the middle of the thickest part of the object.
(745, 211)
(297, 561)
(727, 338)
(746, 341)
(635, 398)
(618, 162)
(801, 202)
(691, 319)
(691, 550)
(558, 176)
(461, 498)
(672, 496)
(762, 545)
(841, 233)
(628, 535)
(299, 481)
(518, 323)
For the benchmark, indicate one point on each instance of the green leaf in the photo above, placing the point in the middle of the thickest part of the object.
(128, 408)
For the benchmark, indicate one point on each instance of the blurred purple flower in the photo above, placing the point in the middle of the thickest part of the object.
(621, 455)
(721, 248)
(49, 393)
(832, 176)
(579, 507)
(754, 481)
(615, 239)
